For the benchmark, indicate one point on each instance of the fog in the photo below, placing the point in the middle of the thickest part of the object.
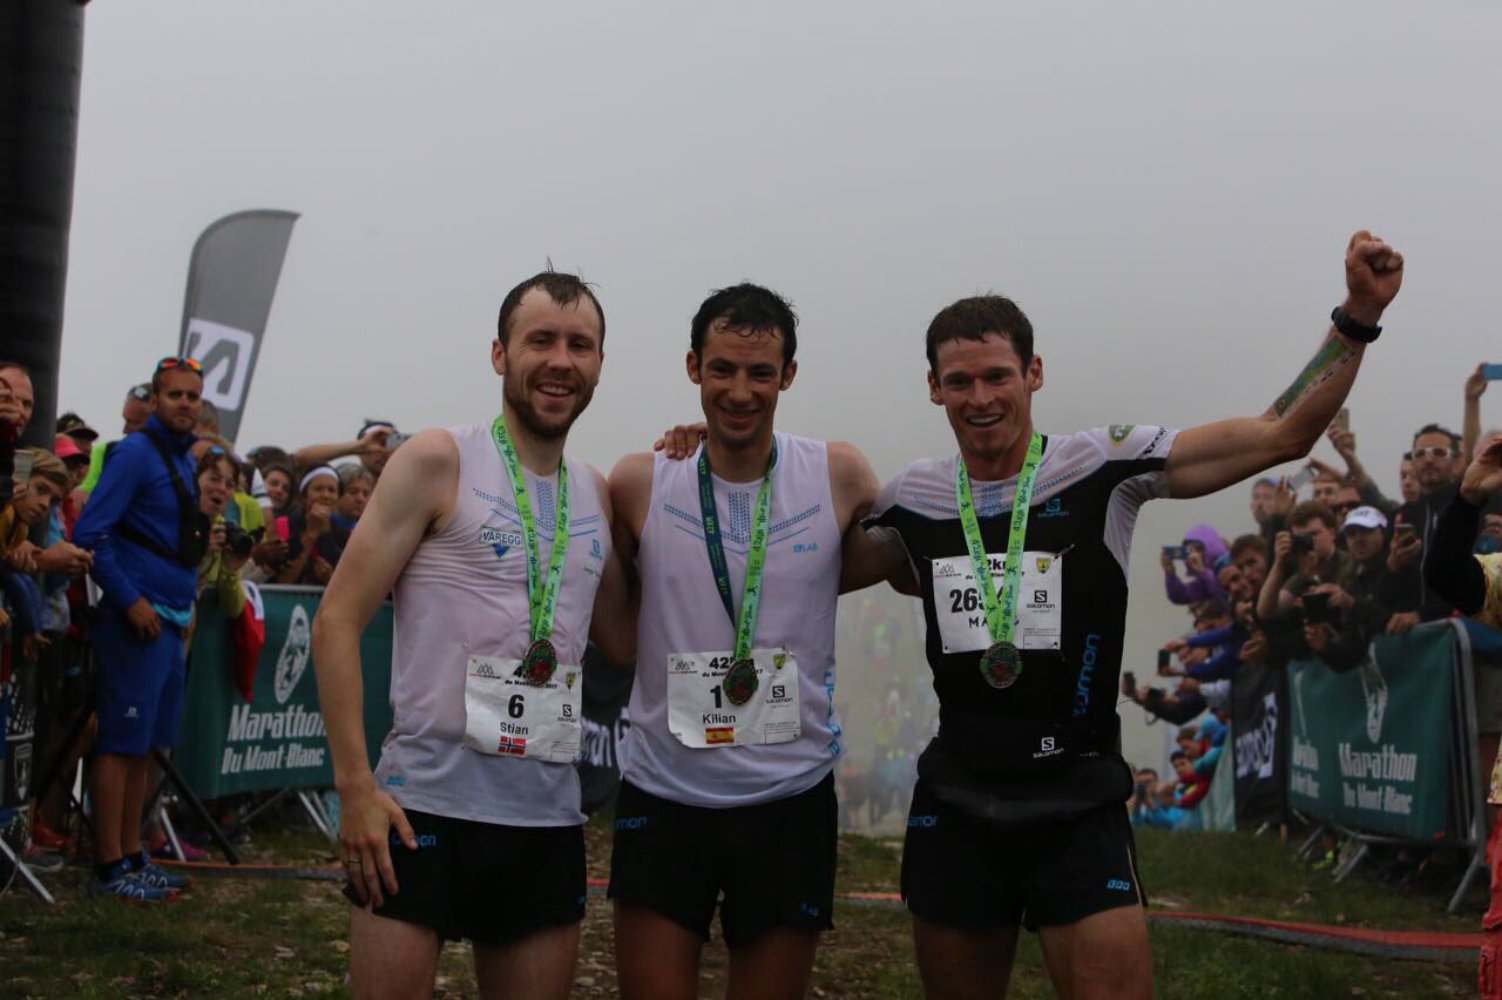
(1165, 188)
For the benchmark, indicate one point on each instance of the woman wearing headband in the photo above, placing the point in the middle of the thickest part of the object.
(314, 542)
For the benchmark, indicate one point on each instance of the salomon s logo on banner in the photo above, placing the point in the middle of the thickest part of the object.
(225, 354)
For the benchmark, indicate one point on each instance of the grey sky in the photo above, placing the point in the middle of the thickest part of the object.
(1166, 189)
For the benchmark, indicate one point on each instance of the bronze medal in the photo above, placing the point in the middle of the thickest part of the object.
(1001, 665)
(740, 682)
(539, 663)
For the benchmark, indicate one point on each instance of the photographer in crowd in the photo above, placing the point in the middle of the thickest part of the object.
(1203, 549)
(372, 446)
(1304, 557)
(1340, 631)
(229, 545)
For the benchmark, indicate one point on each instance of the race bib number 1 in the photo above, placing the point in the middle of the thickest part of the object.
(962, 618)
(700, 716)
(505, 716)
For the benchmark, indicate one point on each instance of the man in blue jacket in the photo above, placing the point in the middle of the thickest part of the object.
(144, 527)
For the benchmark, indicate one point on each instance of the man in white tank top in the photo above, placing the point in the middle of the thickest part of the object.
(498, 553)
(726, 789)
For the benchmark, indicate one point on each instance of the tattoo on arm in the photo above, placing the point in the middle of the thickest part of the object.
(1335, 354)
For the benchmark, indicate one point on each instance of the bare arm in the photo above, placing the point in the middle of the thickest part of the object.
(867, 557)
(612, 627)
(322, 454)
(415, 493)
(1470, 428)
(1270, 602)
(630, 497)
(1211, 457)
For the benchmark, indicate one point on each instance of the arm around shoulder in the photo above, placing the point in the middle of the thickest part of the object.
(612, 626)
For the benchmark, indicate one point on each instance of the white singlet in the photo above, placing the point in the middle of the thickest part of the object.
(463, 595)
(682, 616)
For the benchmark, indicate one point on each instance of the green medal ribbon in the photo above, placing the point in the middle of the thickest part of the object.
(1001, 614)
(542, 596)
(740, 682)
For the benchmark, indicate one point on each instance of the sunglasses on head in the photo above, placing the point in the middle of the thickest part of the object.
(173, 364)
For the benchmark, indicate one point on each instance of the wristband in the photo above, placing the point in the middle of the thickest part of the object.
(1350, 328)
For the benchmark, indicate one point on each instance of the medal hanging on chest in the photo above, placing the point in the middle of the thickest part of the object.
(740, 681)
(541, 659)
(1001, 663)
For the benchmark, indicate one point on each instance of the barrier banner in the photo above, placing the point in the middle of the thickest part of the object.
(229, 745)
(1370, 748)
(1258, 697)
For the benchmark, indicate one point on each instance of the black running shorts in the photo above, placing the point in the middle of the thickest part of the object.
(773, 862)
(961, 873)
(488, 883)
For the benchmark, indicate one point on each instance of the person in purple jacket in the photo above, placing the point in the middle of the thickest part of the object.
(148, 536)
(1206, 550)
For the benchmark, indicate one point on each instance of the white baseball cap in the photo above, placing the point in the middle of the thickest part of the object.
(1365, 517)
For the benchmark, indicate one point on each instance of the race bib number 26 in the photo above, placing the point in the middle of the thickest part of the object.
(962, 615)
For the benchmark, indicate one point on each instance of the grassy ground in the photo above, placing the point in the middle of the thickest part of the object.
(252, 938)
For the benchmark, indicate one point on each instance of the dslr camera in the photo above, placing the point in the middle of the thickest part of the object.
(238, 542)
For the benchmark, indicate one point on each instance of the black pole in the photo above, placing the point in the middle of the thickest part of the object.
(196, 805)
(41, 65)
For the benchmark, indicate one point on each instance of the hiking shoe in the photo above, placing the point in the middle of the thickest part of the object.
(127, 887)
(157, 877)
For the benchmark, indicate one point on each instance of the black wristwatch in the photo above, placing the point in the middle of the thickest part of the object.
(1350, 328)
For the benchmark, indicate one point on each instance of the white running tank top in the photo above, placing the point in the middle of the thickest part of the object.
(681, 612)
(465, 592)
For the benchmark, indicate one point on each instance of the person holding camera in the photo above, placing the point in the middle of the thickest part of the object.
(1347, 618)
(229, 545)
(1304, 558)
(148, 537)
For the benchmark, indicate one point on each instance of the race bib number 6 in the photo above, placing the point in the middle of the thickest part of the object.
(505, 716)
(701, 716)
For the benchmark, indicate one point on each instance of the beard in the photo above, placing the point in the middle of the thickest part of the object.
(519, 400)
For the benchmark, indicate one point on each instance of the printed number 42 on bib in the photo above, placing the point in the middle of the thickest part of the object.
(505, 716)
(701, 716)
(961, 613)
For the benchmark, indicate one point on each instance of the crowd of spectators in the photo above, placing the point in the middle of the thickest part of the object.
(107, 547)
(1328, 563)
(103, 541)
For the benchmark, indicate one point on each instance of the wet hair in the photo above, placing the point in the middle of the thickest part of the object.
(746, 308)
(1313, 510)
(564, 289)
(973, 319)
(1436, 429)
